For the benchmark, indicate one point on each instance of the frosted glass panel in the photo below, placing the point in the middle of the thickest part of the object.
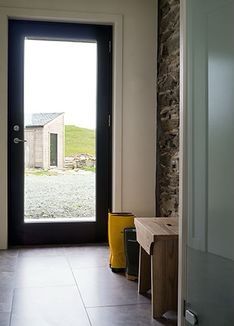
(210, 251)
(221, 132)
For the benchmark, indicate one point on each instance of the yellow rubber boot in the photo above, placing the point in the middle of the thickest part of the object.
(117, 222)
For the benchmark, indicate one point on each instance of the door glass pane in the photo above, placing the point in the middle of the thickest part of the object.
(60, 130)
(210, 251)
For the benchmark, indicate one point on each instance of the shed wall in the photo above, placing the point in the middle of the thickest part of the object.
(34, 147)
(55, 127)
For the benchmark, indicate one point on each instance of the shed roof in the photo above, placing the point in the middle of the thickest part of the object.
(40, 119)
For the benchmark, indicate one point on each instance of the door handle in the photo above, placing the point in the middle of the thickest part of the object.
(191, 317)
(17, 140)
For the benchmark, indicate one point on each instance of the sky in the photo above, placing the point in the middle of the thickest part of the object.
(60, 76)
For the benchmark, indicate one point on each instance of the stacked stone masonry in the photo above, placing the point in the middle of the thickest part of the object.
(167, 193)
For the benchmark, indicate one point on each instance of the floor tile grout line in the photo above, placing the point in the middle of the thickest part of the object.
(12, 301)
(120, 305)
(14, 288)
(45, 287)
(79, 292)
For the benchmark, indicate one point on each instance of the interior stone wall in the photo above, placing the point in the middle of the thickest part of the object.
(167, 190)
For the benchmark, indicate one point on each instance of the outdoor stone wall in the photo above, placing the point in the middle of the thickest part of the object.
(80, 161)
(167, 191)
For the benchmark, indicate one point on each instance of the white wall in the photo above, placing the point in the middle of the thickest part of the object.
(55, 126)
(134, 103)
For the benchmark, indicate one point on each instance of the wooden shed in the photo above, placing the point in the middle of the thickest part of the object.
(44, 133)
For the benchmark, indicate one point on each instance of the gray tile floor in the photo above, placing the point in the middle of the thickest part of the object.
(71, 286)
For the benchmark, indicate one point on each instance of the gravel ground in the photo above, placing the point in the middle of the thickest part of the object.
(68, 195)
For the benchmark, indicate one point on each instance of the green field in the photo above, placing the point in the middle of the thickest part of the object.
(79, 141)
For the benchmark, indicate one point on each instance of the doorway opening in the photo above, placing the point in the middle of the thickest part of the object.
(60, 106)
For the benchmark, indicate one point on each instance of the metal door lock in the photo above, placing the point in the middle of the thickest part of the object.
(16, 128)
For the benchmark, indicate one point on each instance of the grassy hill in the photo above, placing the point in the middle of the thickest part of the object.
(79, 140)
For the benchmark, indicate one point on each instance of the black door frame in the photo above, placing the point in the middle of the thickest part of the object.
(20, 233)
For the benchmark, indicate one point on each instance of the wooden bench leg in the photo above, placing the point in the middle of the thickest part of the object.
(144, 277)
(164, 277)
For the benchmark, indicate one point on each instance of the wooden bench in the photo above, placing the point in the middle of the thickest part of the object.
(158, 266)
